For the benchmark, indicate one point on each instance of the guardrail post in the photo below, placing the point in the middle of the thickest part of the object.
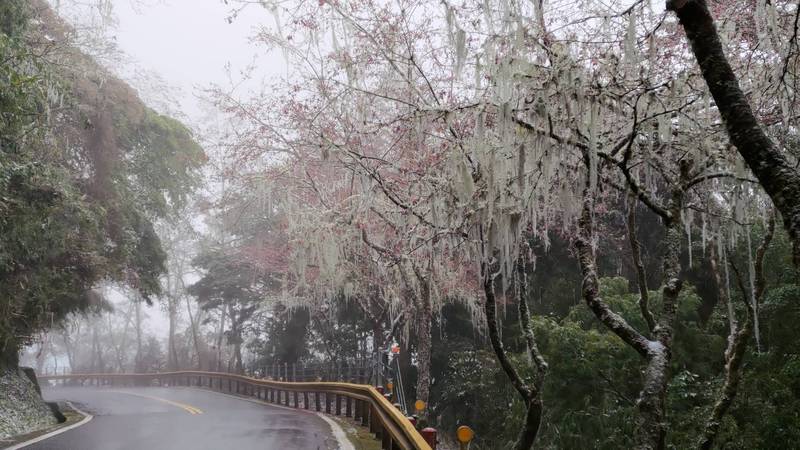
(327, 403)
(305, 400)
(338, 405)
(386, 441)
(348, 409)
(296, 401)
(429, 434)
(364, 412)
(373, 423)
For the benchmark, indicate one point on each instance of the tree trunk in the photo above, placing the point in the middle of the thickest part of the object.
(195, 338)
(651, 403)
(41, 355)
(650, 420)
(529, 393)
(424, 343)
(9, 357)
(220, 334)
(776, 175)
(138, 361)
(172, 351)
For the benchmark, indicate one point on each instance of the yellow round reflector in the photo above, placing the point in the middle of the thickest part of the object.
(419, 405)
(464, 434)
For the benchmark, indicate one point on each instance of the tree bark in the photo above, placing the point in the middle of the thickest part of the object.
(195, 338)
(650, 420)
(641, 274)
(220, 334)
(138, 364)
(530, 393)
(424, 343)
(776, 175)
(172, 351)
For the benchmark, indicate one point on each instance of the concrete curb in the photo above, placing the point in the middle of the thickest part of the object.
(86, 418)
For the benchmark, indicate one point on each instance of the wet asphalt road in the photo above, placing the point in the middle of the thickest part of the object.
(183, 418)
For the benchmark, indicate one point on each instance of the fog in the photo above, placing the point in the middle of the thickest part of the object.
(571, 224)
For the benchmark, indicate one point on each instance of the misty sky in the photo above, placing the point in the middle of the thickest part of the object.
(190, 42)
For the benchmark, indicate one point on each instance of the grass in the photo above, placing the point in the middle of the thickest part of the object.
(359, 436)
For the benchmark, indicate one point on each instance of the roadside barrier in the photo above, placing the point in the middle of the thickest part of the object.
(366, 404)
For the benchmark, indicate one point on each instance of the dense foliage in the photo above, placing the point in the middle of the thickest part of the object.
(85, 170)
(562, 215)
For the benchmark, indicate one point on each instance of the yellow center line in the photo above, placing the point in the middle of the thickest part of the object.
(188, 408)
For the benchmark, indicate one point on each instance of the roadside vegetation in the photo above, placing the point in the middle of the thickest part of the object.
(564, 225)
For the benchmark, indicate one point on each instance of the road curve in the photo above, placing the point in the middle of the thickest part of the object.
(155, 418)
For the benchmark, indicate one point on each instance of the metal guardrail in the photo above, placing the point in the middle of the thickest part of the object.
(362, 402)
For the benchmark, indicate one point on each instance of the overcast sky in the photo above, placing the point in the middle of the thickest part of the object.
(190, 42)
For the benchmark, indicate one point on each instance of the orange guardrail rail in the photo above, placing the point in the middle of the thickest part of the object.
(362, 402)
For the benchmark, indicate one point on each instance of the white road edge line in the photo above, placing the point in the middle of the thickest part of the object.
(336, 429)
(86, 418)
(338, 433)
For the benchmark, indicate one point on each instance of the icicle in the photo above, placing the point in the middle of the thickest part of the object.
(506, 9)
(687, 221)
(480, 129)
(521, 170)
(461, 53)
(760, 20)
(772, 30)
(785, 112)
(450, 19)
(631, 53)
(487, 15)
(538, 13)
(652, 50)
(727, 32)
(703, 218)
(273, 9)
(664, 128)
(753, 300)
(478, 72)
(334, 39)
(722, 250)
(594, 113)
(467, 186)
